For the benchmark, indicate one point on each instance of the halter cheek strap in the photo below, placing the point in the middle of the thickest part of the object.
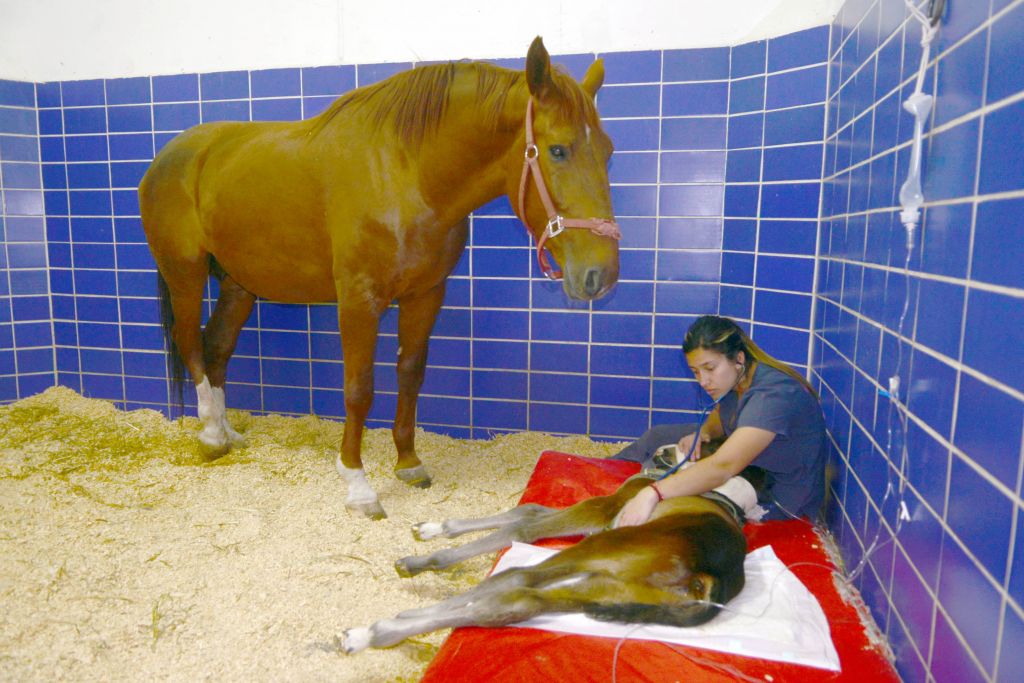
(556, 223)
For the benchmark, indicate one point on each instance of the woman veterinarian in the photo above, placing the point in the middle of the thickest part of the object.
(769, 415)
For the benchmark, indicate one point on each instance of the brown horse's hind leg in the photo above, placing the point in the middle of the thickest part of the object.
(186, 283)
(416, 316)
(234, 305)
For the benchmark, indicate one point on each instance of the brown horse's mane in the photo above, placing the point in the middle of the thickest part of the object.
(414, 102)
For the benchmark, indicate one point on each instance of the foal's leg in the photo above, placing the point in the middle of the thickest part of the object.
(509, 525)
(519, 594)
(358, 326)
(416, 316)
(451, 528)
(460, 610)
(234, 305)
(525, 524)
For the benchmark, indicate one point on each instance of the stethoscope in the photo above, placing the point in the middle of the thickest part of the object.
(705, 411)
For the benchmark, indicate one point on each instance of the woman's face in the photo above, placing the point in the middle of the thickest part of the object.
(715, 373)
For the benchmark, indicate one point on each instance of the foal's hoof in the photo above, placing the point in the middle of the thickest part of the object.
(355, 639)
(404, 569)
(415, 476)
(426, 530)
(374, 510)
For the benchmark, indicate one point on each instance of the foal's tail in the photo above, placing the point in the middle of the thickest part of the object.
(175, 365)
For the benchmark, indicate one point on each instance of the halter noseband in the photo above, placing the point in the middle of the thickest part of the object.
(556, 223)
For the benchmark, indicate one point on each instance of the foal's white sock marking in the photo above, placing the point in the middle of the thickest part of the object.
(359, 490)
(429, 529)
(356, 639)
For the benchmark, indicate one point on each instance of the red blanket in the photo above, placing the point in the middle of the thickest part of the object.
(523, 654)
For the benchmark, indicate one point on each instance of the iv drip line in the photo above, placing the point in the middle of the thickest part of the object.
(919, 104)
(911, 199)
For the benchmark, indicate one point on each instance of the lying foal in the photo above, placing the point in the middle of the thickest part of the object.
(677, 569)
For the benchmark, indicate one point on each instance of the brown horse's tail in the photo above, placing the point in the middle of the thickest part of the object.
(175, 365)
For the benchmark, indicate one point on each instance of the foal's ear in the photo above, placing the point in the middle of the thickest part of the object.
(594, 77)
(538, 70)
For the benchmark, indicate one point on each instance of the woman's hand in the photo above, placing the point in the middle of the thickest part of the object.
(639, 508)
(685, 443)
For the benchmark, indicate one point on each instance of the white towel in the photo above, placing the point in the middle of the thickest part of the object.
(774, 617)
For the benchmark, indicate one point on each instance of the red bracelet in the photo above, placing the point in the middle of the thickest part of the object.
(657, 491)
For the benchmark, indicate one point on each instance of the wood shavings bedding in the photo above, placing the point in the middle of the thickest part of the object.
(126, 555)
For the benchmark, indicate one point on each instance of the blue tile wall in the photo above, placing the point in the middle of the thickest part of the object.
(692, 130)
(27, 359)
(758, 181)
(946, 588)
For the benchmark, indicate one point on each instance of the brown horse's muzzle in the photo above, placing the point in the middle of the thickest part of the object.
(587, 279)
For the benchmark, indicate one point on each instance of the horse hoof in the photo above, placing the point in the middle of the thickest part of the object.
(426, 530)
(235, 439)
(355, 639)
(415, 476)
(215, 445)
(403, 568)
(374, 510)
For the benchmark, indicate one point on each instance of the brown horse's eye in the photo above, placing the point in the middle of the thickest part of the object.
(558, 152)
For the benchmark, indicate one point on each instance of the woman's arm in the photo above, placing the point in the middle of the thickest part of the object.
(738, 451)
(710, 430)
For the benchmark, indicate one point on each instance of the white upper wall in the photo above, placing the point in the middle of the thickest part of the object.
(49, 40)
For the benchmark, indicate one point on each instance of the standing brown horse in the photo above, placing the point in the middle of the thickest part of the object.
(367, 204)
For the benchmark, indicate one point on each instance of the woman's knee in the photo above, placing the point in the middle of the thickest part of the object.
(663, 435)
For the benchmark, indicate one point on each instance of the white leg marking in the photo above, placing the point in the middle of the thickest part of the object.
(356, 639)
(425, 530)
(221, 406)
(211, 415)
(359, 490)
(361, 497)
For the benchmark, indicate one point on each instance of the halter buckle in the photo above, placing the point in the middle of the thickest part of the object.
(558, 227)
(531, 152)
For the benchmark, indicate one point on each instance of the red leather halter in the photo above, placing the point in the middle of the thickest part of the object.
(556, 223)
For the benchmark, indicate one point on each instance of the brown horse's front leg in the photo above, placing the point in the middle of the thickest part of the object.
(358, 340)
(416, 316)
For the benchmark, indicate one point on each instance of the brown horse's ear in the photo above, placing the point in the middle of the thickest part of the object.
(538, 70)
(594, 77)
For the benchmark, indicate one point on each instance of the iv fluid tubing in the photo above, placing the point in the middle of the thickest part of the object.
(911, 198)
(919, 104)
